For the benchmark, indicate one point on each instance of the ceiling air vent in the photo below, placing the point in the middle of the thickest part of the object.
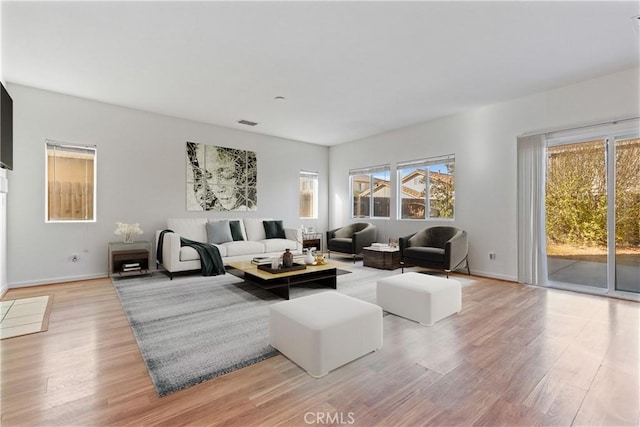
(247, 122)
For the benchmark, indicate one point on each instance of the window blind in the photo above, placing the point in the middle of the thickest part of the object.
(628, 126)
(309, 175)
(426, 162)
(86, 150)
(369, 170)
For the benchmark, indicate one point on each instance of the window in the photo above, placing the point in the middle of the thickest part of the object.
(71, 177)
(308, 194)
(426, 188)
(370, 192)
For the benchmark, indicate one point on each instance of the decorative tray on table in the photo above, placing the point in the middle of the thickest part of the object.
(294, 267)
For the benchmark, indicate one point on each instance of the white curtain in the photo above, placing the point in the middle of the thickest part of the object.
(532, 264)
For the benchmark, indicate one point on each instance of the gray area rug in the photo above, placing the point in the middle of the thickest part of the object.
(193, 328)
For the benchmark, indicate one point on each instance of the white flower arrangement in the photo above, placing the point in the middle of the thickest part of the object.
(128, 230)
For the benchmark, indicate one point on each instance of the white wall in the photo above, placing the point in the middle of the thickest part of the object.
(141, 171)
(141, 178)
(484, 142)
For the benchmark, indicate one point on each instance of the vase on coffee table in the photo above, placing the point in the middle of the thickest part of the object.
(287, 259)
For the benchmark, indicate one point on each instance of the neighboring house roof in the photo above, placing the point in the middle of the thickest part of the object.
(379, 186)
(408, 190)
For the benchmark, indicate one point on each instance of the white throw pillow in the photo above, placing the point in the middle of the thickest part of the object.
(255, 229)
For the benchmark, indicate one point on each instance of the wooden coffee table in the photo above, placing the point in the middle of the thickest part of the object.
(279, 283)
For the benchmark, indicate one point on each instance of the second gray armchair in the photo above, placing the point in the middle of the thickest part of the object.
(442, 248)
(351, 238)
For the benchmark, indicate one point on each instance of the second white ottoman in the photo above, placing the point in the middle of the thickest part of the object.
(323, 331)
(419, 297)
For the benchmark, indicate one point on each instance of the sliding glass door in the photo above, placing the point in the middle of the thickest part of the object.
(592, 213)
(576, 213)
(627, 214)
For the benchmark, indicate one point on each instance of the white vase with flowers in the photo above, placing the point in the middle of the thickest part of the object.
(127, 231)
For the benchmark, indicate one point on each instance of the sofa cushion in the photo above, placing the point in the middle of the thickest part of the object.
(340, 244)
(273, 229)
(219, 232)
(191, 228)
(236, 230)
(424, 253)
(255, 229)
(246, 247)
(222, 249)
(278, 245)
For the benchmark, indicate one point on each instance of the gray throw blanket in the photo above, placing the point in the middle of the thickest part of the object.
(210, 259)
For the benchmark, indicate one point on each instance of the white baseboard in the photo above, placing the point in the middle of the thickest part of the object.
(53, 281)
(56, 280)
(493, 275)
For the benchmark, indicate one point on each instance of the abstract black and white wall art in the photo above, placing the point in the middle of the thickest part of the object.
(221, 178)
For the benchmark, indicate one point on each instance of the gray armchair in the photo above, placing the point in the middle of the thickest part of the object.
(351, 239)
(442, 248)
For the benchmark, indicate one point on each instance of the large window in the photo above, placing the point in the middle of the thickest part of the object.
(71, 179)
(308, 195)
(370, 192)
(427, 188)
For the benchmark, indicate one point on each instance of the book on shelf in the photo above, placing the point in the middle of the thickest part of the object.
(131, 265)
(131, 268)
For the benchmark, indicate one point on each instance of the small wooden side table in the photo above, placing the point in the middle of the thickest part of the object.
(382, 257)
(312, 240)
(129, 259)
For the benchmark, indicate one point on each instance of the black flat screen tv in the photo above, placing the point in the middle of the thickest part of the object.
(6, 129)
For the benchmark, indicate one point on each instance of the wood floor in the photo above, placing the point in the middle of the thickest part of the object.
(516, 355)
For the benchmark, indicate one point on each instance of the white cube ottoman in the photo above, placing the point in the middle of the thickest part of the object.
(323, 331)
(419, 297)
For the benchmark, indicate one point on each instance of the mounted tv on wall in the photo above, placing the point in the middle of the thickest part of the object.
(6, 129)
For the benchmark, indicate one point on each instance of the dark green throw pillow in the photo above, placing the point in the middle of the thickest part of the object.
(274, 229)
(236, 230)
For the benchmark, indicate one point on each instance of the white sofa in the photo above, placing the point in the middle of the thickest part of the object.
(255, 243)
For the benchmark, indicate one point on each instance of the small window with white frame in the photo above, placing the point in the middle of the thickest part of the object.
(427, 188)
(70, 173)
(308, 195)
(370, 192)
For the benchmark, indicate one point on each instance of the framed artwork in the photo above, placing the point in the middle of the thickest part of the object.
(220, 178)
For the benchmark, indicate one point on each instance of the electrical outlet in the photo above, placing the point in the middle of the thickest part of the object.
(492, 256)
(74, 257)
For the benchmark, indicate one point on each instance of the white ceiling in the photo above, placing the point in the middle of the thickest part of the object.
(347, 69)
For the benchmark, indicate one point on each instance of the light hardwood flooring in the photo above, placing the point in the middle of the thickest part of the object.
(516, 355)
